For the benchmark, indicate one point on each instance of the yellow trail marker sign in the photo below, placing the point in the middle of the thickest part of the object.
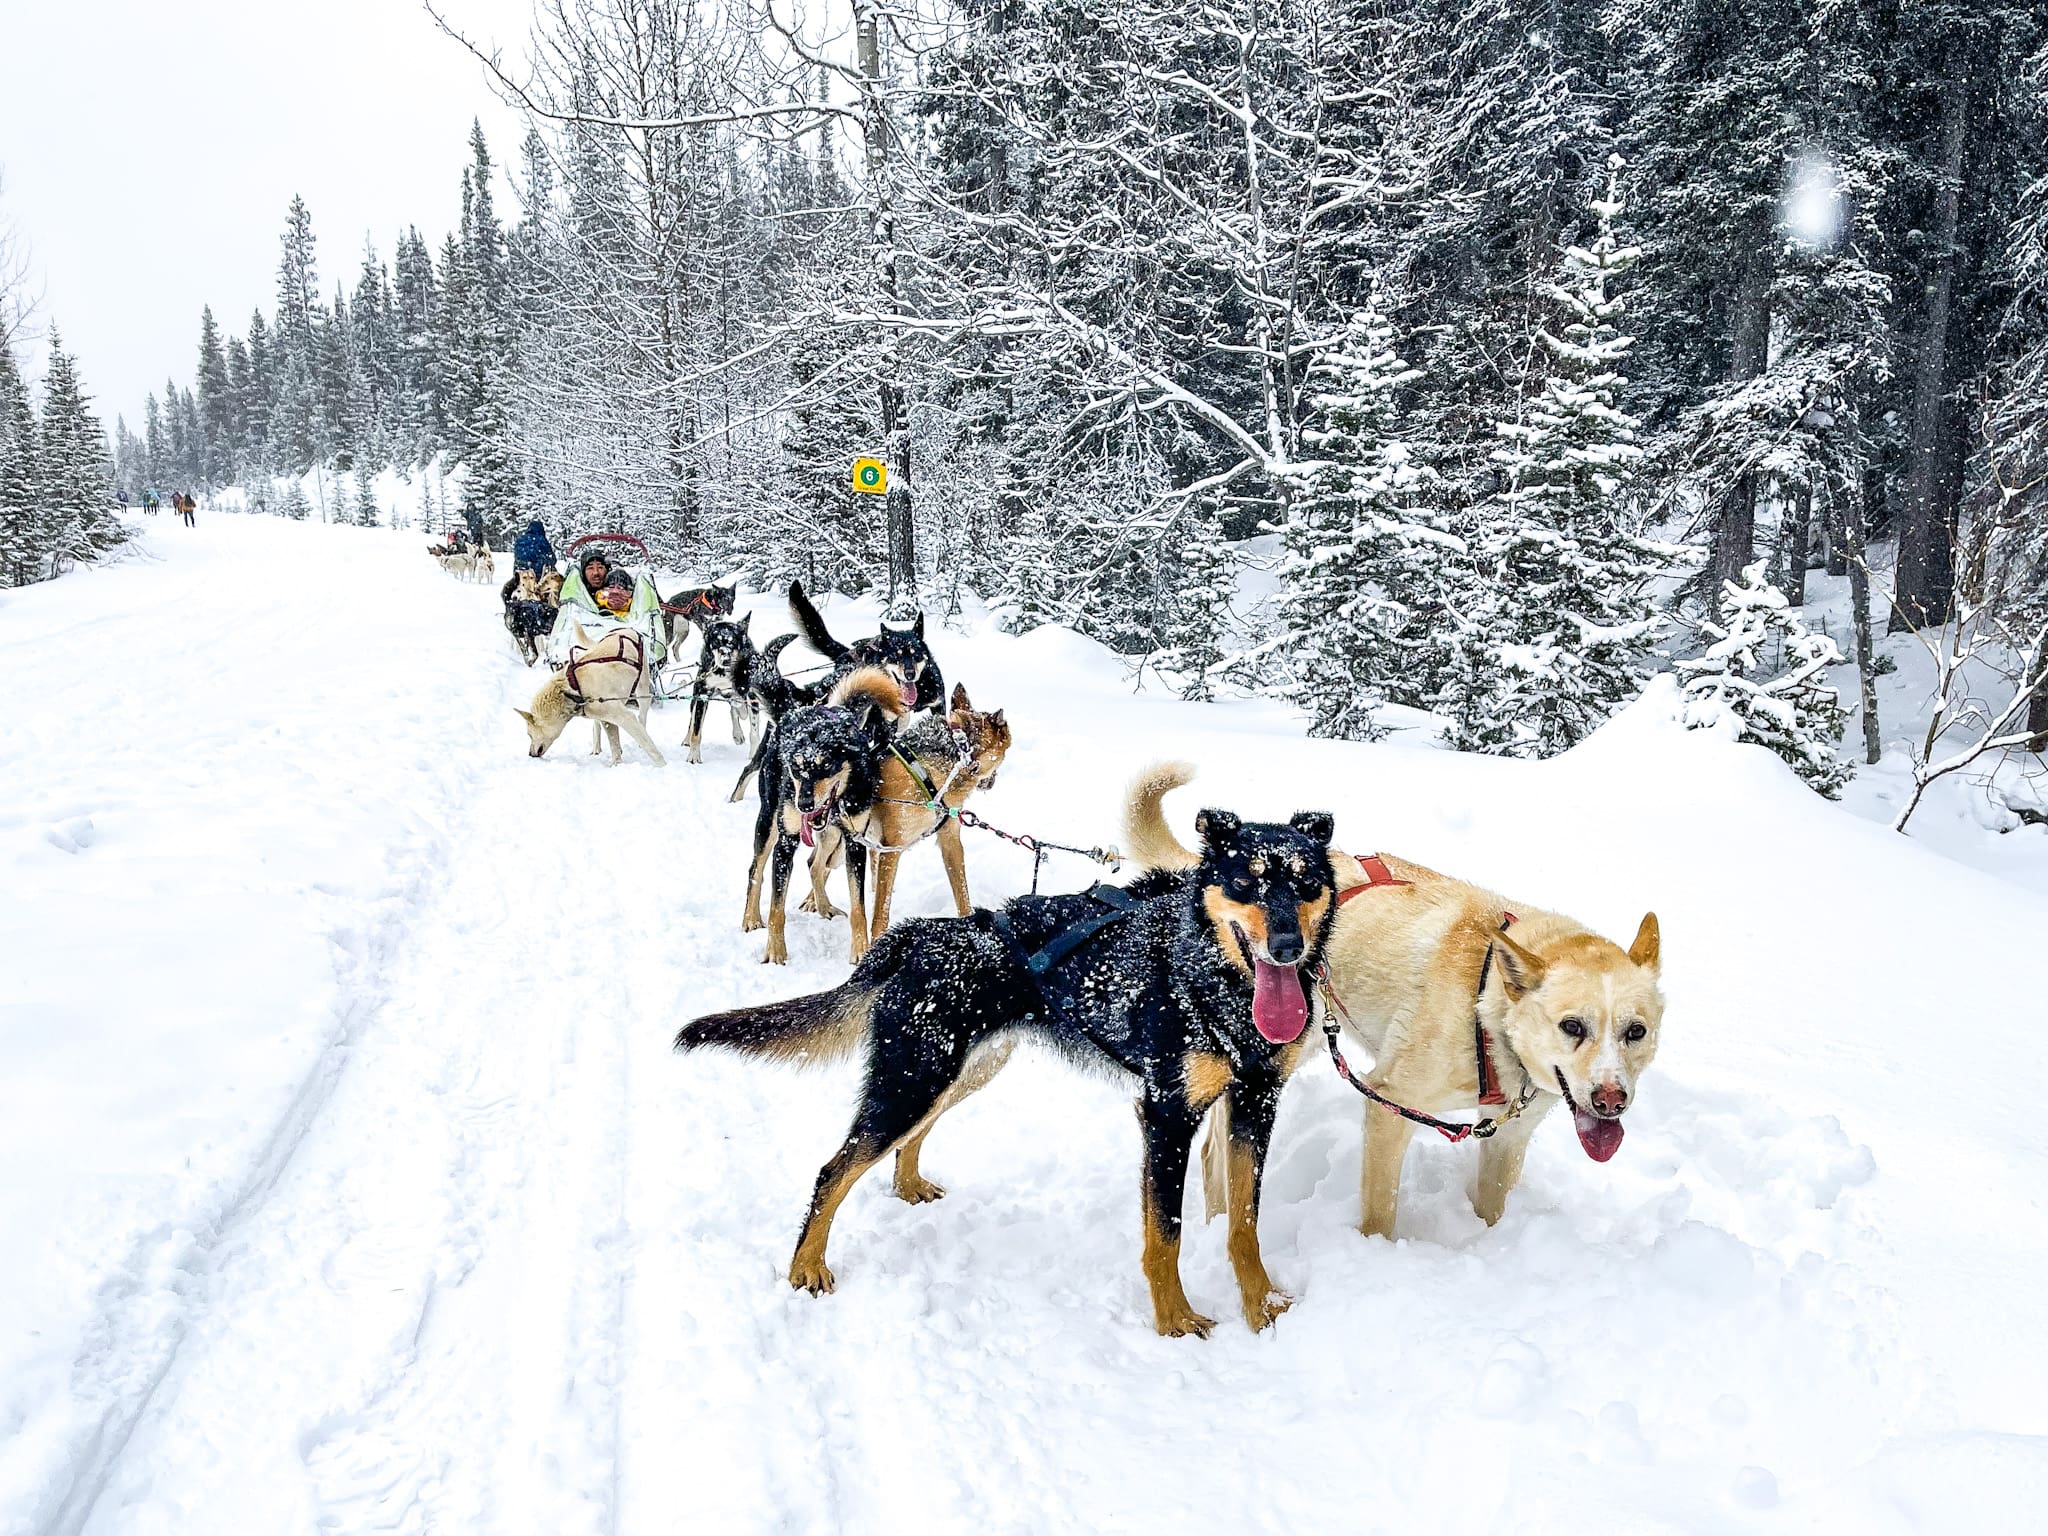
(871, 475)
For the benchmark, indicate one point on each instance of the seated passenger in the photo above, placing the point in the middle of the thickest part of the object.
(617, 596)
(594, 572)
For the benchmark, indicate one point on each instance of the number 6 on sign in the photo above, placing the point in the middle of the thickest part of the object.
(871, 475)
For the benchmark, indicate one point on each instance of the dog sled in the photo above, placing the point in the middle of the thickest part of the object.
(580, 608)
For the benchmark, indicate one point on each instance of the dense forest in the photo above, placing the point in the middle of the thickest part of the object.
(1507, 343)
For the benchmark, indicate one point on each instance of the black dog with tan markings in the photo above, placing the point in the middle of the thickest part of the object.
(1194, 982)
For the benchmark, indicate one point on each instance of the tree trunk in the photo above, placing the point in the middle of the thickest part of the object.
(1921, 589)
(1792, 541)
(1849, 529)
(1734, 540)
(894, 402)
(2037, 717)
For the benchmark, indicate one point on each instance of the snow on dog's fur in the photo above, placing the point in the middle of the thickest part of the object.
(1573, 1011)
(819, 777)
(959, 754)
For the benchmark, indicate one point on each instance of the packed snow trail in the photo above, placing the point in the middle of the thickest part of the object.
(364, 1194)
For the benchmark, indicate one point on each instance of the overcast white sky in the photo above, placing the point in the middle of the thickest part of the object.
(148, 149)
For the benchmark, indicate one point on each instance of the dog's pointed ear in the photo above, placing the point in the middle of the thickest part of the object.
(998, 721)
(522, 714)
(1648, 948)
(960, 703)
(746, 625)
(1520, 971)
(1217, 829)
(917, 629)
(1316, 826)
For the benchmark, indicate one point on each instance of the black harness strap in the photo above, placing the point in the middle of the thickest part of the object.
(1118, 904)
(1121, 904)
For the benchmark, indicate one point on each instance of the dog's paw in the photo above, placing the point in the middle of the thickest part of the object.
(810, 1275)
(696, 755)
(1182, 1323)
(918, 1190)
(752, 923)
(778, 952)
(1259, 1312)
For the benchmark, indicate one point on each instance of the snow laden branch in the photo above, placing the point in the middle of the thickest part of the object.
(1976, 649)
(566, 18)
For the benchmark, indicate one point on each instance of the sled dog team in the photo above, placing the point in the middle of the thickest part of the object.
(1200, 980)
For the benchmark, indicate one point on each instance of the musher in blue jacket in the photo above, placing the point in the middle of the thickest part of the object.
(531, 551)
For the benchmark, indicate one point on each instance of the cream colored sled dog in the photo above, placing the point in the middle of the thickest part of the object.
(607, 683)
(1448, 984)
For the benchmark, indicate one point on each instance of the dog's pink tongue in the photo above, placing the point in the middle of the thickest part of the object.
(1599, 1137)
(909, 692)
(1278, 1007)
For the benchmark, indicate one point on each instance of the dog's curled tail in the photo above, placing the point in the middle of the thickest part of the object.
(821, 1027)
(812, 623)
(871, 686)
(1148, 841)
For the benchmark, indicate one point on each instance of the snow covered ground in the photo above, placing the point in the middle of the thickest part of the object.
(349, 1184)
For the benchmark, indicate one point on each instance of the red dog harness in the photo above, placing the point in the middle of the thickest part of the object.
(638, 661)
(1378, 875)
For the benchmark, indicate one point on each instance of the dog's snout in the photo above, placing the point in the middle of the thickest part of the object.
(1609, 1099)
(1285, 948)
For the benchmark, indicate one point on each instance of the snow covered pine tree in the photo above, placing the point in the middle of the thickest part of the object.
(1796, 714)
(1360, 562)
(75, 481)
(25, 533)
(1559, 618)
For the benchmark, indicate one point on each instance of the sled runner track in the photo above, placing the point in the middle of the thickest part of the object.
(125, 1369)
(425, 1304)
(453, 1225)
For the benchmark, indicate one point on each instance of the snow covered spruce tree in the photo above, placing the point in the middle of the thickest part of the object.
(1792, 710)
(477, 351)
(1360, 562)
(366, 515)
(1197, 574)
(75, 482)
(26, 535)
(293, 504)
(1557, 617)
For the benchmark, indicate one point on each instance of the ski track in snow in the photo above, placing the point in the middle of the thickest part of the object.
(491, 1259)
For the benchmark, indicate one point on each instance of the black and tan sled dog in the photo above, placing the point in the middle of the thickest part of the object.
(1192, 982)
(901, 651)
(820, 772)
